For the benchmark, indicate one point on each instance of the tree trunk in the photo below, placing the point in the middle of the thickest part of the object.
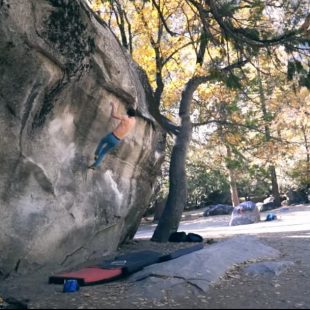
(233, 188)
(272, 169)
(275, 187)
(177, 197)
(171, 217)
(232, 181)
(303, 129)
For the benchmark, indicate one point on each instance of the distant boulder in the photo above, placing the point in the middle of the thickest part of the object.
(269, 199)
(245, 213)
(297, 196)
(218, 210)
(268, 204)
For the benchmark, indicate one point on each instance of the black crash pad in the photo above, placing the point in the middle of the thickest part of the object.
(181, 252)
(133, 262)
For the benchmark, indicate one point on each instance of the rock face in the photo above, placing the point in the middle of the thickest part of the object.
(60, 67)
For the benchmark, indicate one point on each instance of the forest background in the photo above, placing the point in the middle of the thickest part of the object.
(230, 84)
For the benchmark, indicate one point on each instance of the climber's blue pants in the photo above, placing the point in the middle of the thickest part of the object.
(106, 144)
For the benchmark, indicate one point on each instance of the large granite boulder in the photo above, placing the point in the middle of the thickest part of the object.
(245, 213)
(60, 67)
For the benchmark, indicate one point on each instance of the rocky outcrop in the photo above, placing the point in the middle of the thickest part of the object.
(60, 68)
(194, 273)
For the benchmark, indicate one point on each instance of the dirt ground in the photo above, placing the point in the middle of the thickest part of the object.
(235, 290)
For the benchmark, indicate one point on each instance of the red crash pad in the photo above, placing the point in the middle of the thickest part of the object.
(88, 276)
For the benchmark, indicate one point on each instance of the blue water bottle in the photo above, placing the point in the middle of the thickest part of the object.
(71, 286)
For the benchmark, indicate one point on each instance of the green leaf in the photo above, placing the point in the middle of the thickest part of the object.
(232, 163)
(232, 81)
(251, 33)
(227, 9)
(290, 70)
(305, 80)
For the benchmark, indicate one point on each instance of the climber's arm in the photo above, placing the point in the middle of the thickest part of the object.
(114, 115)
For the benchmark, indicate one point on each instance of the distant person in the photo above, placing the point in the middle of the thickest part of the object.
(127, 123)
